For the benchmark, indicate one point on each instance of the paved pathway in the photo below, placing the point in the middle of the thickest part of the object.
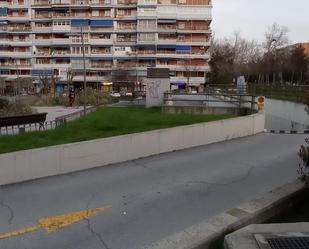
(56, 111)
(150, 198)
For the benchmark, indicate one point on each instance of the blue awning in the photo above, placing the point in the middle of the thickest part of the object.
(182, 48)
(79, 22)
(167, 46)
(179, 84)
(3, 11)
(38, 72)
(101, 23)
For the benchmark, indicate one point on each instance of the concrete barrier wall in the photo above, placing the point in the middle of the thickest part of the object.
(60, 159)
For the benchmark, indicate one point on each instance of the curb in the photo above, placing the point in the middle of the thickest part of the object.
(289, 132)
(259, 210)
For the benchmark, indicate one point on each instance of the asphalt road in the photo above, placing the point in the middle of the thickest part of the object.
(151, 198)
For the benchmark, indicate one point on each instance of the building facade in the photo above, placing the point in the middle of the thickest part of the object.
(43, 37)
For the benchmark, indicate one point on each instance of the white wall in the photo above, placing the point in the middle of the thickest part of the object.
(60, 159)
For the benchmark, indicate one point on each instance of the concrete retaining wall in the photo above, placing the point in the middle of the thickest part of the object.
(60, 159)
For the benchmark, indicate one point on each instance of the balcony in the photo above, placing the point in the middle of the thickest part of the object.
(101, 41)
(43, 42)
(205, 56)
(40, 3)
(64, 28)
(80, 15)
(146, 2)
(125, 41)
(59, 15)
(100, 3)
(126, 2)
(81, 3)
(194, 13)
(42, 16)
(146, 14)
(127, 28)
(170, 66)
(61, 2)
(61, 53)
(194, 29)
(19, 42)
(166, 28)
(14, 65)
(16, 54)
(17, 5)
(167, 41)
(61, 41)
(146, 28)
(145, 54)
(18, 17)
(100, 29)
(167, 12)
(99, 54)
(195, 42)
(42, 54)
(192, 68)
(46, 29)
(126, 17)
(101, 65)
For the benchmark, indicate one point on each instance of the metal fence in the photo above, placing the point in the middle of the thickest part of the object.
(17, 129)
(211, 99)
(48, 125)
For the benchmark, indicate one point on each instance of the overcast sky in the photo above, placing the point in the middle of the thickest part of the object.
(252, 17)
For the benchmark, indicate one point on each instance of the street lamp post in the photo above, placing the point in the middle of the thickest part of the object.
(84, 66)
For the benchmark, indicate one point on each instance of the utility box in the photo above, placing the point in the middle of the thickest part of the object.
(157, 83)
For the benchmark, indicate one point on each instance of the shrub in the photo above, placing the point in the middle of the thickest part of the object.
(303, 168)
(93, 96)
(8, 108)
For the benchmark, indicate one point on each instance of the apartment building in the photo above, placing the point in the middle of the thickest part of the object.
(42, 37)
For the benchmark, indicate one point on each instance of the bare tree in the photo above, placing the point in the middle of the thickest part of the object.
(122, 77)
(48, 80)
(275, 37)
(70, 77)
(2, 85)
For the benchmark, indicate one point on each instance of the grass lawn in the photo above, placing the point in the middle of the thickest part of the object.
(105, 122)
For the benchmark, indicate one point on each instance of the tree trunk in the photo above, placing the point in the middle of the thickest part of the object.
(292, 77)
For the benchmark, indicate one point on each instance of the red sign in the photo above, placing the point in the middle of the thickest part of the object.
(261, 100)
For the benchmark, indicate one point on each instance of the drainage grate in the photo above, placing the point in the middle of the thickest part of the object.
(289, 243)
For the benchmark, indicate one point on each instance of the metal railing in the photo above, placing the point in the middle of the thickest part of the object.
(210, 99)
(18, 129)
(48, 125)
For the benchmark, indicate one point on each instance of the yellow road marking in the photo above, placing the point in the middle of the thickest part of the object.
(52, 224)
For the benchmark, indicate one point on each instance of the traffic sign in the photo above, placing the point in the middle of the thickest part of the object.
(261, 102)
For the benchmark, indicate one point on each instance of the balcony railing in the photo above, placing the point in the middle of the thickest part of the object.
(61, 2)
(60, 15)
(80, 2)
(42, 16)
(40, 3)
(127, 2)
(100, 2)
(147, 2)
(101, 65)
(193, 27)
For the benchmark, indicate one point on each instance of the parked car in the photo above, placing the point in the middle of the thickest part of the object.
(115, 94)
(129, 94)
